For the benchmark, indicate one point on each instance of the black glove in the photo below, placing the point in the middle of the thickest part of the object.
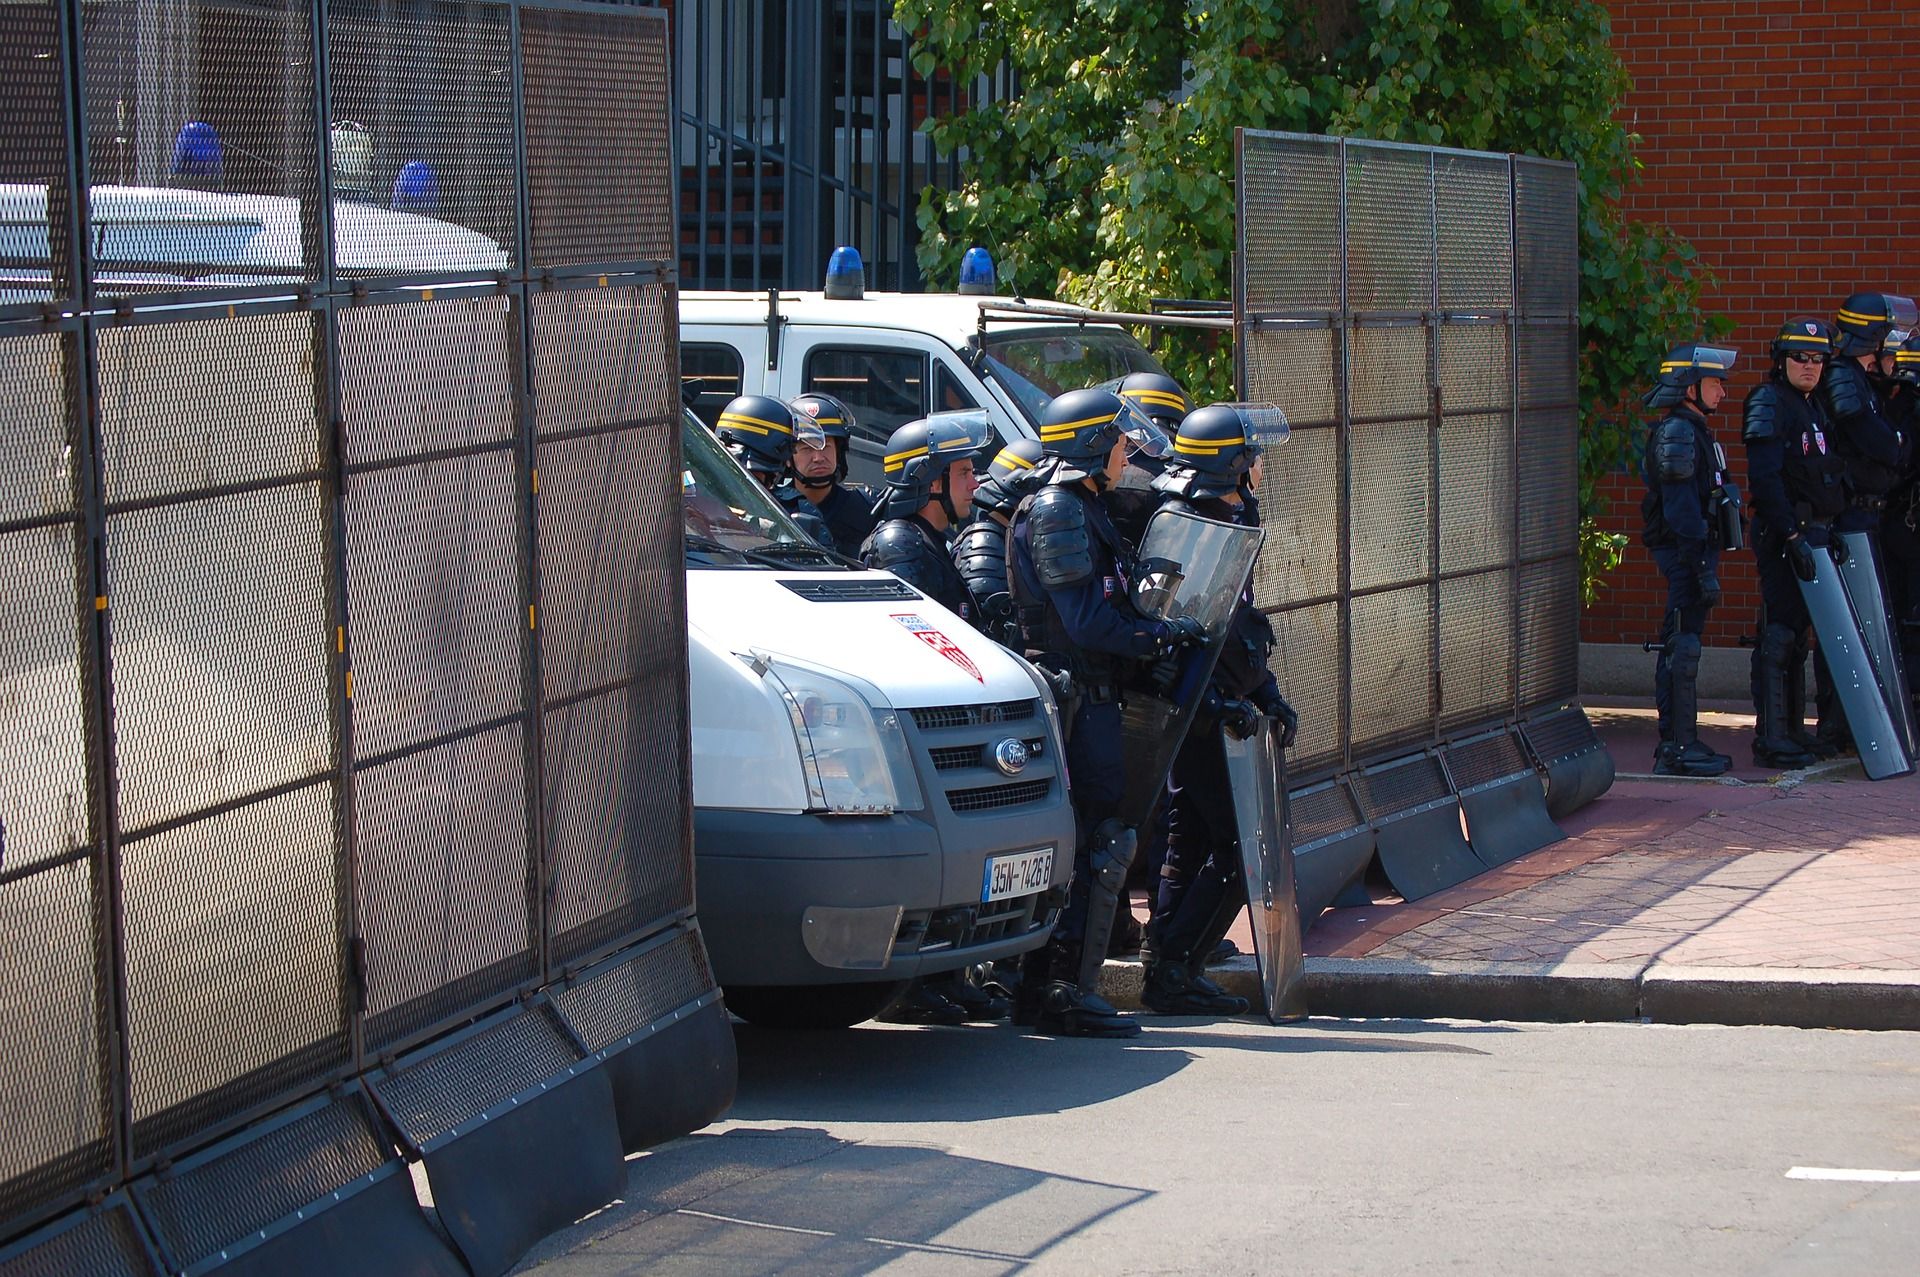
(1275, 706)
(1242, 718)
(1709, 583)
(1181, 632)
(1062, 684)
(1800, 558)
(1165, 672)
(1838, 549)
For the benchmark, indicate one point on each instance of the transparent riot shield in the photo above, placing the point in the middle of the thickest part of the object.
(1188, 566)
(1882, 753)
(1860, 577)
(1257, 773)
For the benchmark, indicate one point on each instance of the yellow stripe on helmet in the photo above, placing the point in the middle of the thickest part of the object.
(754, 424)
(1858, 318)
(1165, 398)
(898, 460)
(1206, 447)
(1812, 341)
(1011, 458)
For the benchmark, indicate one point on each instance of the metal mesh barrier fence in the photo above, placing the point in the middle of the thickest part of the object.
(342, 687)
(1415, 311)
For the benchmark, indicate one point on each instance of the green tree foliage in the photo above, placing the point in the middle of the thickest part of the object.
(1108, 179)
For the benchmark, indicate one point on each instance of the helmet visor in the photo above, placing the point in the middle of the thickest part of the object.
(1266, 425)
(1143, 435)
(808, 434)
(965, 433)
(1714, 361)
(1902, 319)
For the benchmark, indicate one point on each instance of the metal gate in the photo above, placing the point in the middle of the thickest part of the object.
(342, 695)
(1416, 312)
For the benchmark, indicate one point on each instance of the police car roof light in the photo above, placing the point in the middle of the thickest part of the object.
(846, 275)
(976, 273)
(197, 151)
(416, 189)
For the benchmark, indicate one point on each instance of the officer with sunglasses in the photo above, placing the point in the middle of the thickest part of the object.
(1799, 487)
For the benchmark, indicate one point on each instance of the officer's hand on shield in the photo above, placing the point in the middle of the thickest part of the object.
(1838, 549)
(1242, 718)
(1181, 632)
(1800, 556)
(1275, 706)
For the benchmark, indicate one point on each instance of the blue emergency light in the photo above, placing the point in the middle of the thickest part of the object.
(416, 190)
(197, 151)
(846, 275)
(976, 273)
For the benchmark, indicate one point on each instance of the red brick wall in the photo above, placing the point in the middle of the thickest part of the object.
(1770, 128)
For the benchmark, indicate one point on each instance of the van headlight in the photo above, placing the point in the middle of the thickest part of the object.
(854, 753)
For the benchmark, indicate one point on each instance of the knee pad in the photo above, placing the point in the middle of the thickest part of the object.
(1686, 655)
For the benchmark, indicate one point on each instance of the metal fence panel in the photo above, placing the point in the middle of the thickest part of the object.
(36, 245)
(1421, 568)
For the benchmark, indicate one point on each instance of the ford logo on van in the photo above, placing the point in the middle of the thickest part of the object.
(1010, 756)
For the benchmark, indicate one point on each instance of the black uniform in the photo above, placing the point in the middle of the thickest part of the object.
(916, 552)
(847, 510)
(1679, 469)
(1900, 529)
(1132, 500)
(804, 516)
(1871, 445)
(1798, 482)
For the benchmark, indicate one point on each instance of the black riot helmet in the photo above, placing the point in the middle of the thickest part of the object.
(1804, 336)
(1865, 319)
(918, 455)
(758, 431)
(835, 420)
(1017, 469)
(1906, 360)
(1158, 397)
(1080, 428)
(1689, 364)
(1217, 446)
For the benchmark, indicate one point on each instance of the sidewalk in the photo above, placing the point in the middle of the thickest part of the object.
(1754, 899)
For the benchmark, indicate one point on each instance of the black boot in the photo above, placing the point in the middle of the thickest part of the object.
(924, 1003)
(982, 1006)
(1068, 1011)
(1796, 727)
(1030, 989)
(1772, 747)
(1172, 988)
(1684, 755)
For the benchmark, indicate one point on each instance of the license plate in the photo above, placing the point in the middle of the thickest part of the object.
(1019, 873)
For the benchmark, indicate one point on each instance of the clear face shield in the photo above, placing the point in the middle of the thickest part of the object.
(1266, 425)
(1903, 318)
(808, 434)
(1143, 436)
(965, 432)
(1714, 361)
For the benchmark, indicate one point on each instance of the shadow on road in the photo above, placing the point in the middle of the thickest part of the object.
(797, 1200)
(881, 1074)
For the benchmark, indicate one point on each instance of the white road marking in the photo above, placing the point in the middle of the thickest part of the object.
(1854, 1176)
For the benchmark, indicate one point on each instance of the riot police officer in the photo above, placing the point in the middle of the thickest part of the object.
(1798, 480)
(1684, 475)
(1131, 501)
(1872, 446)
(980, 550)
(929, 480)
(758, 432)
(820, 471)
(1900, 526)
(1212, 472)
(1070, 574)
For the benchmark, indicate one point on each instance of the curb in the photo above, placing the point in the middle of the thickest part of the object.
(1560, 992)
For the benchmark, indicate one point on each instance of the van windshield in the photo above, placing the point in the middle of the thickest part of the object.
(730, 519)
(1035, 364)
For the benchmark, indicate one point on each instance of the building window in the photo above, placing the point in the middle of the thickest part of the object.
(886, 388)
(711, 374)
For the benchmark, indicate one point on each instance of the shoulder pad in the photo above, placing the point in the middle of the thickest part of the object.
(1844, 390)
(1058, 538)
(893, 544)
(981, 548)
(1760, 415)
(1674, 457)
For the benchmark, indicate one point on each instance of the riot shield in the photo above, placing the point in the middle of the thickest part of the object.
(1860, 577)
(1882, 753)
(1257, 773)
(1189, 566)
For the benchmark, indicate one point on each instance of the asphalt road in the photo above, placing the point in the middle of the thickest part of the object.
(1333, 1147)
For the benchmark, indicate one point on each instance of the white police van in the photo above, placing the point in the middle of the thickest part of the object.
(879, 790)
(895, 357)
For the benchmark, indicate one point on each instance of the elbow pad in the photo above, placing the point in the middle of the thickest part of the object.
(1674, 456)
(1058, 538)
(1759, 420)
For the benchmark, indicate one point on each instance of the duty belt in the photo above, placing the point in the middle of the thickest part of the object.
(1101, 693)
(1869, 502)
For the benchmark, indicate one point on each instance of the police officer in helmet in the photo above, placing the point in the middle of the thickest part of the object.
(1070, 573)
(1799, 487)
(929, 480)
(1685, 475)
(1874, 448)
(1900, 525)
(758, 432)
(820, 471)
(980, 550)
(1213, 472)
(1131, 501)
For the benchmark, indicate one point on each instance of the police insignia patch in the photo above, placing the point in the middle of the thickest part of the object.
(917, 626)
